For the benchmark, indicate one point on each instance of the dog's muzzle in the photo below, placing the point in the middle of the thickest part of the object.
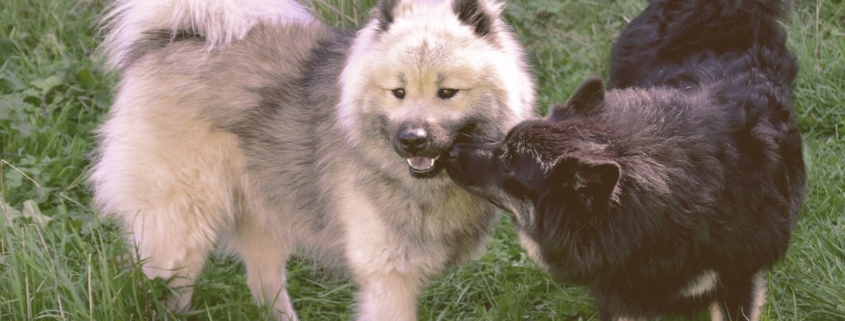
(415, 141)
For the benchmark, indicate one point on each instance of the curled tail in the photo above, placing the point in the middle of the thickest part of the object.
(218, 22)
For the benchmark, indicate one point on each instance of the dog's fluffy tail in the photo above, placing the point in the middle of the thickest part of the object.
(218, 22)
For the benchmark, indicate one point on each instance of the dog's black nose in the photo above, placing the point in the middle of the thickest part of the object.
(413, 139)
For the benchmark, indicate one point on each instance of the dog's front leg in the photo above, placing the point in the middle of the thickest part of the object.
(389, 268)
(388, 296)
(390, 280)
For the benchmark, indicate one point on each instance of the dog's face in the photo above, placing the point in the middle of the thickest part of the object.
(545, 169)
(425, 73)
(502, 172)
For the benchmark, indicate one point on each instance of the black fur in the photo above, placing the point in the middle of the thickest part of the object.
(159, 39)
(670, 39)
(692, 162)
(385, 13)
(471, 13)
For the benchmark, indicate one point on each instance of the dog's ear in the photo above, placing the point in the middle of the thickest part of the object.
(593, 181)
(588, 97)
(474, 13)
(384, 13)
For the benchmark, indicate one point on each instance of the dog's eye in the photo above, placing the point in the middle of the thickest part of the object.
(398, 93)
(446, 93)
(505, 168)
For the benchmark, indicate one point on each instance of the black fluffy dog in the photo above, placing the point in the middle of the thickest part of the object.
(679, 187)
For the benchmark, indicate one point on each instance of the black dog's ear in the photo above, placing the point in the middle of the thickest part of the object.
(472, 13)
(384, 13)
(588, 97)
(593, 181)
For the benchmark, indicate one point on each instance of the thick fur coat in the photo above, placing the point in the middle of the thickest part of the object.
(253, 126)
(679, 187)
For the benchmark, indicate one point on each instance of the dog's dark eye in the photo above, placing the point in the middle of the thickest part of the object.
(446, 93)
(398, 93)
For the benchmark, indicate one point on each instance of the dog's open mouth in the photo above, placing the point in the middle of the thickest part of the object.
(423, 167)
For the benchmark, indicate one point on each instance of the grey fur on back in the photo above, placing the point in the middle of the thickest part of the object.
(283, 142)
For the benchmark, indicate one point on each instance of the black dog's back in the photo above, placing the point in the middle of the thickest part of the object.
(672, 42)
(734, 54)
(736, 47)
(679, 187)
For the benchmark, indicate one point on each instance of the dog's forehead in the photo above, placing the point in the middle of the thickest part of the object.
(433, 31)
(529, 134)
(524, 146)
(538, 141)
(440, 48)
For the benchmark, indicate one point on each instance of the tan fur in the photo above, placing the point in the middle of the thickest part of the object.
(154, 193)
(532, 249)
(214, 139)
(759, 290)
(703, 284)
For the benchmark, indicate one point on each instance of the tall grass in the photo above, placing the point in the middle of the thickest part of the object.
(58, 261)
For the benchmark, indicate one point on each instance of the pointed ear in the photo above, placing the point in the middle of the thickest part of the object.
(384, 13)
(588, 97)
(592, 180)
(473, 13)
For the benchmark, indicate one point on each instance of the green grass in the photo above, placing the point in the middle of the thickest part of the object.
(53, 92)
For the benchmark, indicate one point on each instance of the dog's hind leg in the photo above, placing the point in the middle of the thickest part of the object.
(741, 299)
(265, 256)
(173, 248)
(166, 175)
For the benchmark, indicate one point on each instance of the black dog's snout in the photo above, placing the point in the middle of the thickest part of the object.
(413, 138)
(453, 153)
(460, 151)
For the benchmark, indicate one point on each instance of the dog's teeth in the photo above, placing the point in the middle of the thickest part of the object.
(421, 163)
